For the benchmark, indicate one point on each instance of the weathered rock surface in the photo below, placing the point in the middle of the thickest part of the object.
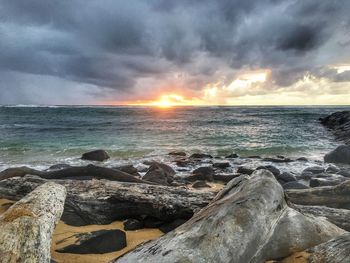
(202, 173)
(339, 217)
(103, 201)
(200, 184)
(201, 156)
(332, 196)
(327, 181)
(275, 171)
(129, 169)
(26, 227)
(294, 185)
(248, 221)
(340, 155)
(244, 170)
(221, 165)
(339, 123)
(97, 155)
(97, 242)
(74, 172)
(159, 173)
(132, 224)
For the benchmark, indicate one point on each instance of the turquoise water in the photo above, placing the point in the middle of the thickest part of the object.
(40, 136)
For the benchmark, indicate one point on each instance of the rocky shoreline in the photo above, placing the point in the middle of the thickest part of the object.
(250, 209)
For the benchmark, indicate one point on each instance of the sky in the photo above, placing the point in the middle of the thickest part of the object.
(163, 52)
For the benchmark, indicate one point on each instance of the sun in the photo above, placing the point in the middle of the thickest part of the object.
(169, 100)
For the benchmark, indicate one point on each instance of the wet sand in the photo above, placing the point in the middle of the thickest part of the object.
(64, 235)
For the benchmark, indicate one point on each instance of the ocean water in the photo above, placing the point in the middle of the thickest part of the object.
(42, 136)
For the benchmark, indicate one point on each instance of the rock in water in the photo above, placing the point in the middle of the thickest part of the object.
(339, 123)
(248, 221)
(97, 242)
(97, 155)
(132, 224)
(26, 227)
(340, 155)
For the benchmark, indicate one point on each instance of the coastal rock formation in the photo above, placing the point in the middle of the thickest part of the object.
(74, 172)
(340, 155)
(339, 217)
(339, 123)
(103, 201)
(248, 221)
(97, 155)
(26, 227)
(159, 173)
(332, 196)
(96, 242)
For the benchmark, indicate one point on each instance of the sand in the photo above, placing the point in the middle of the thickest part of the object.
(63, 236)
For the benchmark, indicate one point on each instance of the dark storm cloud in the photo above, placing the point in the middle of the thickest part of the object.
(110, 45)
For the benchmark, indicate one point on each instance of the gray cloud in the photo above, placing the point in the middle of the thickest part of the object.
(109, 47)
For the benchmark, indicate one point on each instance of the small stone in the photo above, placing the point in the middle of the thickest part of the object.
(132, 224)
(221, 165)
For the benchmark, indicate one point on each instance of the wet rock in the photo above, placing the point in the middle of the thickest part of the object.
(302, 159)
(286, 177)
(97, 155)
(221, 165)
(279, 159)
(183, 162)
(26, 228)
(254, 207)
(314, 170)
(18, 171)
(340, 155)
(129, 169)
(203, 173)
(159, 173)
(97, 242)
(177, 153)
(152, 222)
(339, 123)
(329, 181)
(132, 224)
(254, 157)
(232, 156)
(59, 166)
(270, 168)
(200, 184)
(225, 177)
(167, 227)
(201, 156)
(345, 173)
(244, 170)
(332, 169)
(294, 185)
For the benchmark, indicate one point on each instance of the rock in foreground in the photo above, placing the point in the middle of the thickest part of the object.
(248, 221)
(340, 155)
(26, 227)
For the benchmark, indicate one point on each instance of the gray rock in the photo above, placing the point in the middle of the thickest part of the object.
(167, 227)
(294, 185)
(286, 177)
(244, 170)
(332, 169)
(232, 156)
(97, 155)
(270, 168)
(339, 123)
(97, 242)
(345, 173)
(317, 182)
(160, 173)
(221, 165)
(248, 221)
(175, 153)
(200, 184)
(201, 156)
(340, 155)
(132, 224)
(26, 228)
(59, 166)
(302, 159)
(313, 170)
(279, 159)
(203, 173)
(129, 169)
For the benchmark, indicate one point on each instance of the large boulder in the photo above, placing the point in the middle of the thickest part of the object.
(340, 155)
(339, 123)
(202, 173)
(26, 228)
(248, 221)
(159, 173)
(97, 155)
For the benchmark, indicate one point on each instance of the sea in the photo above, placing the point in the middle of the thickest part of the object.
(40, 136)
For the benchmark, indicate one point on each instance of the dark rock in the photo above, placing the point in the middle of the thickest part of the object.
(332, 169)
(314, 170)
(178, 153)
(167, 227)
(221, 165)
(344, 173)
(132, 224)
(183, 162)
(279, 159)
(254, 157)
(129, 169)
(244, 170)
(59, 166)
(17, 172)
(160, 173)
(294, 185)
(232, 156)
(97, 242)
(201, 156)
(97, 155)
(286, 177)
(302, 159)
(203, 173)
(330, 181)
(152, 222)
(200, 184)
(340, 155)
(339, 123)
(225, 177)
(270, 168)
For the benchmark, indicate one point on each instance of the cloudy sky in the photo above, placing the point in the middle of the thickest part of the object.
(184, 52)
